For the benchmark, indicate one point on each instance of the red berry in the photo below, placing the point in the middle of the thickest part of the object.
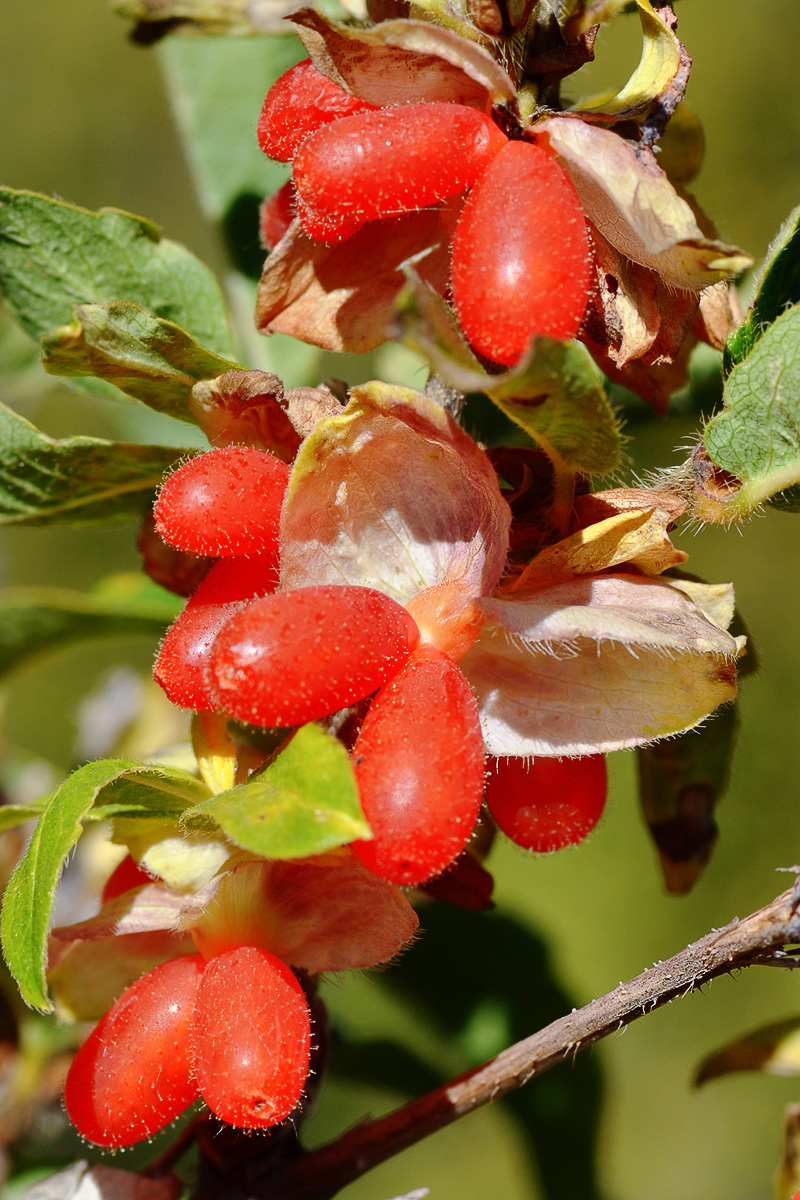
(251, 1038)
(300, 655)
(225, 502)
(126, 875)
(390, 161)
(521, 255)
(419, 765)
(299, 103)
(134, 1074)
(276, 215)
(181, 664)
(548, 803)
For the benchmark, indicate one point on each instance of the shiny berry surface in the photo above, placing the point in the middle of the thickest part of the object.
(299, 103)
(276, 215)
(133, 1075)
(419, 767)
(251, 1038)
(300, 655)
(521, 255)
(225, 502)
(390, 161)
(183, 656)
(546, 804)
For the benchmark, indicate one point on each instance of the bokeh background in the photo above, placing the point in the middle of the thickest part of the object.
(85, 116)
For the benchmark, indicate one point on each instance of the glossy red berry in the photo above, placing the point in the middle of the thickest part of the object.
(300, 655)
(547, 803)
(521, 255)
(390, 161)
(419, 766)
(183, 657)
(299, 103)
(251, 1038)
(225, 502)
(134, 1073)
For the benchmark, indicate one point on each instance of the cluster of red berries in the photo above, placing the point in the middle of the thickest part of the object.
(521, 258)
(234, 1029)
(280, 659)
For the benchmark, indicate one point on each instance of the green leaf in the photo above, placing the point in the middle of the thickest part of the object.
(778, 287)
(12, 815)
(556, 395)
(151, 359)
(28, 899)
(54, 255)
(559, 400)
(36, 619)
(156, 792)
(773, 1048)
(756, 438)
(304, 803)
(74, 481)
(218, 85)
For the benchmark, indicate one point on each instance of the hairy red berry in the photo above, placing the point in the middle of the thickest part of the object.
(134, 1073)
(419, 765)
(276, 215)
(182, 659)
(547, 803)
(225, 502)
(251, 1038)
(300, 655)
(521, 255)
(299, 103)
(387, 162)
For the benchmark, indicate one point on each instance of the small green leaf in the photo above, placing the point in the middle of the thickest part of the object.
(305, 802)
(778, 287)
(756, 438)
(29, 896)
(151, 359)
(36, 619)
(74, 481)
(157, 793)
(559, 400)
(54, 255)
(773, 1048)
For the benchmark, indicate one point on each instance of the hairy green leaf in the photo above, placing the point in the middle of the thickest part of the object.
(304, 803)
(54, 255)
(773, 1048)
(155, 792)
(756, 438)
(28, 899)
(36, 619)
(778, 287)
(74, 481)
(151, 359)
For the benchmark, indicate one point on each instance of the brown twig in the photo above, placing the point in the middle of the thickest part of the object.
(320, 1174)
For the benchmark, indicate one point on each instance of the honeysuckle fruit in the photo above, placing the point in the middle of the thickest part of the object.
(654, 262)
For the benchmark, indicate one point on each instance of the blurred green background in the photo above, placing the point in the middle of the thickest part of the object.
(85, 117)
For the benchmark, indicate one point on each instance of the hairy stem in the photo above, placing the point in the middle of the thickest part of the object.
(759, 938)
